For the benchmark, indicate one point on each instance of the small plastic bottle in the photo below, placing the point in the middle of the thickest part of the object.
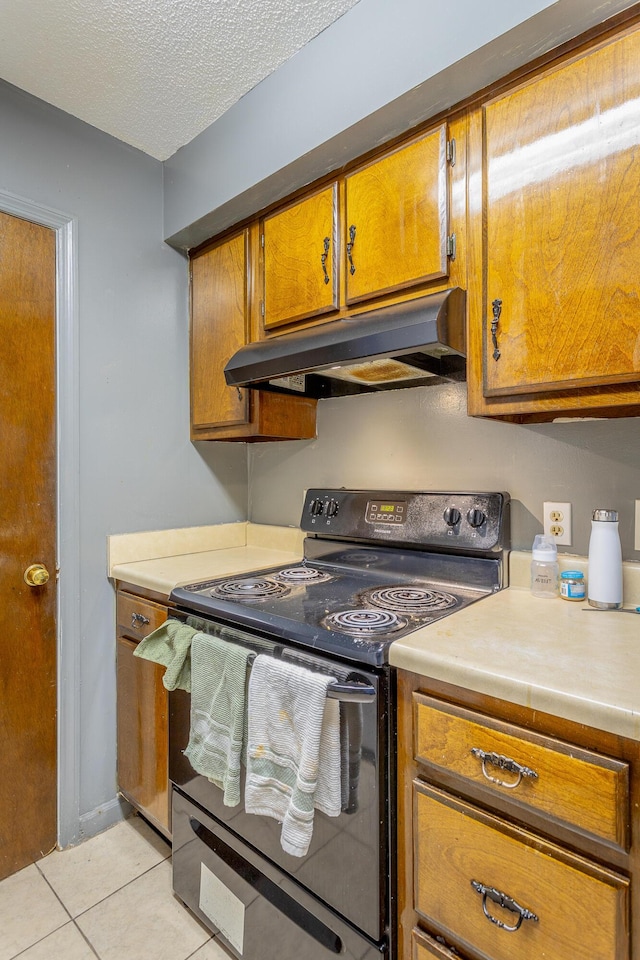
(605, 561)
(544, 568)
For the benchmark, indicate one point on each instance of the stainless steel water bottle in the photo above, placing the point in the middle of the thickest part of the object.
(604, 588)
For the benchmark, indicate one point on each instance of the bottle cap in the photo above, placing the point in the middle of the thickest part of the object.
(544, 548)
(571, 575)
(601, 514)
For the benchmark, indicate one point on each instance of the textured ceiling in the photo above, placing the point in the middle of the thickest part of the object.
(153, 73)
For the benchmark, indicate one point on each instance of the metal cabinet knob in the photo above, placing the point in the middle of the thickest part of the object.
(36, 575)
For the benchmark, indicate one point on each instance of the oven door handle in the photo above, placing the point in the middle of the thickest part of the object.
(351, 692)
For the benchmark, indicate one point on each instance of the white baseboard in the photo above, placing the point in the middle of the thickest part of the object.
(103, 817)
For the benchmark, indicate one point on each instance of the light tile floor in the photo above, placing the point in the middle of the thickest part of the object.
(110, 897)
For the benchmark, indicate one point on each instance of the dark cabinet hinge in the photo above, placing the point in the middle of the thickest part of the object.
(451, 246)
(451, 152)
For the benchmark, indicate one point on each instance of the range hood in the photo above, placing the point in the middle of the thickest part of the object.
(407, 344)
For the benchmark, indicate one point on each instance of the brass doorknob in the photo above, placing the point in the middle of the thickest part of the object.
(36, 575)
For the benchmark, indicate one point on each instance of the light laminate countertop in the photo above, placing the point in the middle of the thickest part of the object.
(549, 655)
(162, 559)
(546, 654)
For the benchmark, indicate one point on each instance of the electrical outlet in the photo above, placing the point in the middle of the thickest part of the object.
(557, 521)
(636, 541)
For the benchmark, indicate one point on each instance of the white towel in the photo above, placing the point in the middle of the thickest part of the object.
(293, 753)
(218, 682)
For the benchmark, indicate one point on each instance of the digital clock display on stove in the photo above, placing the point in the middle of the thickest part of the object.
(389, 511)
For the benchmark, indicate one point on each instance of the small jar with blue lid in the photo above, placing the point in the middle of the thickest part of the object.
(572, 585)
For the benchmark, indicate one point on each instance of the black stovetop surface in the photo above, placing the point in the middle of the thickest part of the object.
(301, 612)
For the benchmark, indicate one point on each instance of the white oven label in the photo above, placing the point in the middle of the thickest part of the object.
(222, 907)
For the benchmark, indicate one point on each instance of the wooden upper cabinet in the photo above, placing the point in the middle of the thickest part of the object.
(395, 229)
(561, 210)
(219, 327)
(377, 232)
(301, 260)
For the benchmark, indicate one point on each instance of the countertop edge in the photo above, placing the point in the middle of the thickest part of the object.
(539, 654)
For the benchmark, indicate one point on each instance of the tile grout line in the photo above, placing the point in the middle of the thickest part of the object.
(118, 889)
(73, 920)
(53, 891)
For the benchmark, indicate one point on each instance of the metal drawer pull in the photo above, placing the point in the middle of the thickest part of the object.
(504, 763)
(138, 620)
(323, 258)
(503, 901)
(352, 240)
(496, 306)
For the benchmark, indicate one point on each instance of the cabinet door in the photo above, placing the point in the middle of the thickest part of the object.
(143, 735)
(396, 219)
(300, 260)
(562, 174)
(219, 327)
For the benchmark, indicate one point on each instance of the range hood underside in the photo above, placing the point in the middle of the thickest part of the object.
(410, 344)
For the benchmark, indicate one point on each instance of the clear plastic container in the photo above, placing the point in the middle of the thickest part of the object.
(544, 568)
(572, 585)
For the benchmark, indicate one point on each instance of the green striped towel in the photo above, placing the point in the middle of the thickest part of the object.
(169, 646)
(216, 738)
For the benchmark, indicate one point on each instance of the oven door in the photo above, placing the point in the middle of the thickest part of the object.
(348, 863)
(254, 909)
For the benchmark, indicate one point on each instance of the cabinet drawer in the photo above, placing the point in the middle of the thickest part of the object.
(136, 617)
(581, 908)
(584, 789)
(425, 947)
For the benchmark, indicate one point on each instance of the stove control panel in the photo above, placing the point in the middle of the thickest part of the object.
(386, 511)
(457, 521)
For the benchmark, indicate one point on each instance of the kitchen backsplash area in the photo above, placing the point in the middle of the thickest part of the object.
(422, 439)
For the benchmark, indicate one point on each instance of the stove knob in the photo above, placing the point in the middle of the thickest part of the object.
(332, 508)
(476, 517)
(316, 507)
(451, 516)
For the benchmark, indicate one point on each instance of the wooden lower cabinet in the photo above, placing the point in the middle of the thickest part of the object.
(469, 863)
(498, 855)
(142, 713)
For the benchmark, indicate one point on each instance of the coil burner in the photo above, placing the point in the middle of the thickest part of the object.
(364, 624)
(249, 589)
(410, 600)
(301, 574)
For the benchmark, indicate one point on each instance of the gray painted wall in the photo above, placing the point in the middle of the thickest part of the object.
(138, 470)
(422, 439)
(379, 70)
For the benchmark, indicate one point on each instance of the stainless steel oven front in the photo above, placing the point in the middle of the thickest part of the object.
(228, 865)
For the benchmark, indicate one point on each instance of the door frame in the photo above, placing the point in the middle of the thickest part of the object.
(67, 502)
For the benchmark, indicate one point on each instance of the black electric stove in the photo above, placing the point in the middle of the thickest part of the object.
(376, 567)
